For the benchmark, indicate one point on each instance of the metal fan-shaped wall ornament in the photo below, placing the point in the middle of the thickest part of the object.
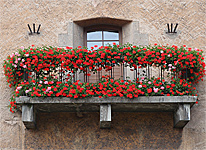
(170, 28)
(34, 31)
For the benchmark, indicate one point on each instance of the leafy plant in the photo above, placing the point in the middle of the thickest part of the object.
(51, 70)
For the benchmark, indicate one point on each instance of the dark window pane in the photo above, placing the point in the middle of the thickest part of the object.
(96, 35)
(91, 44)
(111, 35)
(111, 43)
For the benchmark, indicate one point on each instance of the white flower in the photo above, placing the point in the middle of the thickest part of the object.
(27, 91)
(19, 87)
(170, 65)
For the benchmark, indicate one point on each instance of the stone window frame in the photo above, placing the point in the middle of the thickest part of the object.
(74, 35)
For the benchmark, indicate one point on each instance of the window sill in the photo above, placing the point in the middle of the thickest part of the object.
(180, 105)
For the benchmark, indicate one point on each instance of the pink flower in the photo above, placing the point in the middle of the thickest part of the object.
(45, 82)
(22, 47)
(24, 66)
(162, 88)
(23, 60)
(49, 88)
(19, 87)
(12, 55)
(139, 86)
(149, 82)
(27, 91)
(155, 90)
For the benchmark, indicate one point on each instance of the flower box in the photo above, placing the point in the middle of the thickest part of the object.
(180, 105)
(50, 79)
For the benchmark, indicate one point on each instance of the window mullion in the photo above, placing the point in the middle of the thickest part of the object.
(102, 38)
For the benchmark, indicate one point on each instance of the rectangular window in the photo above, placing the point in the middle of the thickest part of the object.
(102, 35)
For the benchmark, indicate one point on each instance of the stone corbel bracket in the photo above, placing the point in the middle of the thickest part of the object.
(179, 105)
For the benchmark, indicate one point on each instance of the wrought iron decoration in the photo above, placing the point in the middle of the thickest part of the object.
(171, 26)
(37, 32)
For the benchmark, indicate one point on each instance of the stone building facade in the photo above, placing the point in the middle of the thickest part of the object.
(62, 22)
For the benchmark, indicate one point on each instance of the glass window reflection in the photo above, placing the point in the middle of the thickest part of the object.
(111, 35)
(96, 35)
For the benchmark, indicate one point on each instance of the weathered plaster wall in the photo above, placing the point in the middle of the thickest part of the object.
(131, 131)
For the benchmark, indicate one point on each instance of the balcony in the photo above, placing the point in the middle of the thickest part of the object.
(109, 79)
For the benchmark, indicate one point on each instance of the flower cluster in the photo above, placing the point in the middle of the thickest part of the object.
(106, 87)
(43, 63)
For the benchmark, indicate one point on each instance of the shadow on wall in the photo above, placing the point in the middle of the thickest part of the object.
(129, 130)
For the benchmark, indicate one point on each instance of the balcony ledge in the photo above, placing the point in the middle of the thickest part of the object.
(179, 105)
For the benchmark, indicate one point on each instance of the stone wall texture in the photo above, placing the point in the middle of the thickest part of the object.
(129, 130)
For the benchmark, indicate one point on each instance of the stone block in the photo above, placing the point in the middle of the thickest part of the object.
(105, 116)
(182, 115)
(28, 116)
(78, 35)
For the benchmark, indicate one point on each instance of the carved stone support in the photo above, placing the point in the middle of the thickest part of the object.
(105, 116)
(182, 115)
(28, 116)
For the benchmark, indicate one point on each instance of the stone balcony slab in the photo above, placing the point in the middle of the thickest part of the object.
(179, 105)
